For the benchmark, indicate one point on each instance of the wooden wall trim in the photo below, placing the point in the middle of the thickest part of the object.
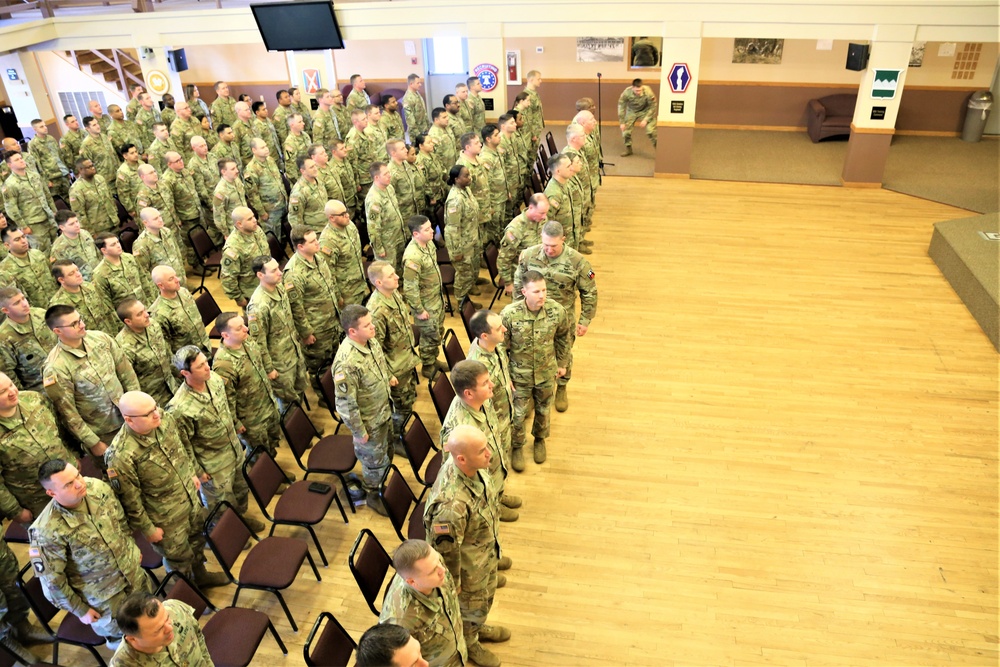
(872, 130)
(780, 84)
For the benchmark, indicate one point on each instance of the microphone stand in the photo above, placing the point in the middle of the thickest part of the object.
(602, 163)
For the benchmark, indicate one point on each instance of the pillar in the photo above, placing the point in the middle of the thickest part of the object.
(485, 47)
(675, 117)
(299, 61)
(159, 79)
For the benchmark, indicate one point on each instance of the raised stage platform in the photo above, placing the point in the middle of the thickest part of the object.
(967, 251)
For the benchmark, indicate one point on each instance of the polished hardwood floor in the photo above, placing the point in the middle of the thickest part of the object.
(781, 448)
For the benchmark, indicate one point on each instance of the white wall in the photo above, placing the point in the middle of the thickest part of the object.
(61, 77)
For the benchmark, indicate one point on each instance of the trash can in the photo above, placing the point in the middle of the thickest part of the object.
(976, 114)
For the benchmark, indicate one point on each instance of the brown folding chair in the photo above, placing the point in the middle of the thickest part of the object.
(233, 634)
(369, 563)
(209, 309)
(271, 565)
(150, 559)
(447, 280)
(297, 506)
(71, 630)
(16, 533)
(453, 352)
(551, 142)
(418, 444)
(442, 394)
(398, 499)
(329, 646)
(208, 256)
(543, 154)
(467, 310)
(127, 239)
(276, 248)
(492, 254)
(331, 455)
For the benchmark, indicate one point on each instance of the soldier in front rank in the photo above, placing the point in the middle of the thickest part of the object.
(388, 644)
(312, 294)
(45, 149)
(391, 122)
(538, 342)
(445, 147)
(461, 232)
(127, 180)
(523, 232)
(487, 332)
(561, 208)
(464, 110)
(272, 324)
(157, 245)
(423, 598)
(227, 148)
(324, 124)
(361, 152)
(97, 148)
(263, 128)
(122, 131)
(326, 173)
(82, 550)
(374, 133)
(119, 274)
(229, 195)
(26, 268)
(386, 229)
(341, 246)
(143, 619)
(456, 124)
(405, 179)
(71, 141)
(363, 380)
(75, 244)
(85, 375)
(177, 313)
(461, 520)
(91, 303)
(636, 106)
(308, 198)
(422, 291)
(25, 198)
(223, 111)
(28, 438)
(499, 191)
(281, 115)
(180, 183)
(25, 341)
(183, 129)
(145, 117)
(206, 175)
(153, 471)
(142, 341)
(246, 242)
(201, 410)
(435, 188)
(348, 179)
(393, 332)
(90, 198)
(265, 189)
(301, 106)
(240, 364)
(297, 142)
(477, 108)
(414, 107)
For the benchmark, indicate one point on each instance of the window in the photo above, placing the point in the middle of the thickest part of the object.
(448, 56)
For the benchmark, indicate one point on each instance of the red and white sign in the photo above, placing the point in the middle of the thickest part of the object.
(310, 79)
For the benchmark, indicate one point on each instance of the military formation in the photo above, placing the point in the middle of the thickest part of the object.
(105, 362)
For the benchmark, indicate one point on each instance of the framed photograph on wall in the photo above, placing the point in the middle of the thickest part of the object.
(645, 52)
(513, 67)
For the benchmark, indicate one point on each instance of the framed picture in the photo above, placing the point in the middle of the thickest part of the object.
(645, 52)
(513, 68)
(758, 51)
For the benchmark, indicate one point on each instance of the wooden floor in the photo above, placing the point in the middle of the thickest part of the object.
(781, 448)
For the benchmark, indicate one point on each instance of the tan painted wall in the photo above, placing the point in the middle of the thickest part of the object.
(234, 62)
(377, 59)
(558, 60)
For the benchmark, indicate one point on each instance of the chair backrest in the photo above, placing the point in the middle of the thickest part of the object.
(208, 307)
(127, 239)
(442, 394)
(201, 242)
(415, 526)
(551, 141)
(263, 476)
(397, 498)
(536, 182)
(32, 590)
(453, 352)
(228, 535)
(492, 255)
(299, 430)
(329, 646)
(543, 154)
(176, 586)
(329, 391)
(468, 310)
(275, 246)
(369, 563)
(417, 442)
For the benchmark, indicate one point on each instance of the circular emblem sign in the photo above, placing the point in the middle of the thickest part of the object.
(157, 82)
(487, 75)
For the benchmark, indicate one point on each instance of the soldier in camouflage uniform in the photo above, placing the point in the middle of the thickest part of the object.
(246, 242)
(422, 290)
(342, 115)
(177, 313)
(223, 107)
(142, 618)
(358, 97)
(456, 124)
(162, 144)
(45, 149)
(567, 273)
(592, 150)
(201, 410)
(374, 133)
(265, 189)
(511, 162)
(272, 324)
(183, 129)
(167, 114)
(145, 116)
(229, 195)
(90, 198)
(243, 131)
(500, 192)
(86, 374)
(26, 200)
(127, 180)
(576, 140)
(151, 195)
(361, 152)
(142, 341)
(472, 146)
(205, 173)
(312, 294)
(477, 108)
(281, 115)
(227, 148)
(122, 131)
(348, 179)
(461, 232)
(534, 121)
(240, 364)
(363, 381)
(487, 332)
(25, 341)
(82, 549)
(435, 188)
(134, 93)
(71, 141)
(414, 107)
(157, 245)
(445, 147)
(562, 204)
(308, 198)
(297, 141)
(386, 228)
(327, 174)
(406, 182)
(637, 106)
(301, 106)
(75, 244)
(391, 122)
(391, 317)
(119, 275)
(464, 109)
(26, 268)
(264, 129)
(97, 148)
(324, 127)
(423, 598)
(340, 246)
(180, 183)
(154, 473)
(92, 304)
(461, 519)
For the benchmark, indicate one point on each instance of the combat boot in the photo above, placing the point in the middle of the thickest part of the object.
(585, 250)
(482, 657)
(493, 633)
(441, 366)
(375, 503)
(627, 151)
(205, 579)
(517, 459)
(501, 580)
(29, 634)
(539, 450)
(429, 371)
(505, 563)
(562, 400)
(510, 500)
(508, 515)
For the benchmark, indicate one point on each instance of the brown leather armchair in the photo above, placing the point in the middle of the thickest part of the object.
(830, 116)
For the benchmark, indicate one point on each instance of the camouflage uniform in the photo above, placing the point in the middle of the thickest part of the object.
(513, 172)
(223, 111)
(85, 385)
(81, 251)
(632, 108)
(534, 120)
(93, 204)
(357, 100)
(125, 132)
(27, 440)
(324, 130)
(69, 147)
(226, 151)
(265, 193)
(244, 133)
(145, 119)
(306, 204)
(457, 127)
(156, 154)
(477, 111)
(563, 208)
(312, 294)
(391, 125)
(23, 348)
(50, 164)
(269, 315)
(498, 364)
(206, 176)
(362, 378)
(296, 146)
(265, 130)
(461, 235)
(480, 188)
(168, 116)
(150, 251)
(238, 280)
(485, 419)
(280, 120)
(127, 184)
(341, 249)
(409, 193)
(435, 186)
(25, 199)
(390, 315)
(225, 199)
(445, 149)
(538, 344)
(583, 181)
(361, 158)
(86, 558)
(183, 190)
(153, 475)
(118, 282)
(387, 231)
(433, 620)
(461, 518)
(250, 395)
(415, 111)
(348, 182)
(101, 152)
(162, 200)
(377, 139)
(149, 355)
(93, 306)
(422, 289)
(206, 424)
(304, 109)
(181, 133)
(180, 321)
(343, 117)
(29, 274)
(500, 194)
(187, 648)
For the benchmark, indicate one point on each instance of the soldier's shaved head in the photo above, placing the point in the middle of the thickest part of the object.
(464, 439)
(146, 169)
(334, 207)
(241, 213)
(135, 403)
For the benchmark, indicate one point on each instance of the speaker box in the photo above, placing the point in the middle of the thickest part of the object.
(857, 57)
(178, 60)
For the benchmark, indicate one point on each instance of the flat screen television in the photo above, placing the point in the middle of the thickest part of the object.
(298, 26)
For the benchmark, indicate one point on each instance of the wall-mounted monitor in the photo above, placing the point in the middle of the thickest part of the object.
(298, 26)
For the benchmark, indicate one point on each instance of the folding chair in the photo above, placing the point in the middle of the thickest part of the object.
(271, 565)
(127, 239)
(208, 256)
(492, 254)
(418, 444)
(453, 352)
(398, 499)
(150, 559)
(536, 182)
(329, 646)
(543, 154)
(331, 455)
(447, 280)
(467, 311)
(551, 142)
(369, 563)
(209, 309)
(276, 248)
(16, 533)
(442, 394)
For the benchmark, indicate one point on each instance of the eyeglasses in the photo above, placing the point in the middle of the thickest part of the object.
(148, 414)
(75, 324)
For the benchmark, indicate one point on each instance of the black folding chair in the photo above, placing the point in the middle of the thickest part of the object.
(442, 394)
(398, 499)
(71, 629)
(208, 256)
(329, 646)
(369, 563)
(453, 352)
